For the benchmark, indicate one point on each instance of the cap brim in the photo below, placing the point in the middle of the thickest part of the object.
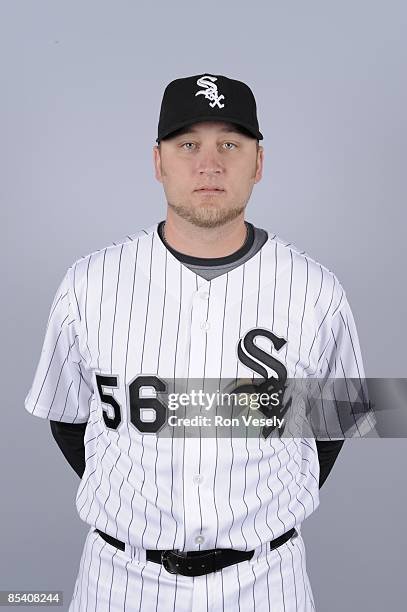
(181, 124)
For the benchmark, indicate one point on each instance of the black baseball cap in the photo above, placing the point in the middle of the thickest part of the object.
(207, 97)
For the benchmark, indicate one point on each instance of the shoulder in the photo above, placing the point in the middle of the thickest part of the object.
(322, 283)
(83, 265)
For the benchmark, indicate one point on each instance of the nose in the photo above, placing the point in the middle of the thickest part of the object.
(209, 162)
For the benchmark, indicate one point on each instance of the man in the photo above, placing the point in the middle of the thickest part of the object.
(194, 521)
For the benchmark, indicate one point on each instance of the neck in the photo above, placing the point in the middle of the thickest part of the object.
(205, 242)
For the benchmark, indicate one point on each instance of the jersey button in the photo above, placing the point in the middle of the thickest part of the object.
(197, 479)
(204, 295)
(205, 325)
(199, 539)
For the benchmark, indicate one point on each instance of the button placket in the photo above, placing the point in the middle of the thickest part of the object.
(193, 479)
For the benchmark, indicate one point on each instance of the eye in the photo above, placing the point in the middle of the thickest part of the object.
(187, 148)
(187, 143)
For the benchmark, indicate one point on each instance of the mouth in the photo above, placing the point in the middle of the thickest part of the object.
(206, 191)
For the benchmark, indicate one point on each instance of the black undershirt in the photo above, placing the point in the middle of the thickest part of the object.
(70, 437)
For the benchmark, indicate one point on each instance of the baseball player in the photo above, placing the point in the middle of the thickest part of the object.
(177, 521)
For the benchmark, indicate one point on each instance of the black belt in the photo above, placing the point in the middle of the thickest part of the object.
(200, 562)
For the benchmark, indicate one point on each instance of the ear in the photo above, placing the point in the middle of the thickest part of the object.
(157, 163)
(259, 164)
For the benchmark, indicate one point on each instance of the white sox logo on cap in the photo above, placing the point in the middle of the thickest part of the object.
(211, 90)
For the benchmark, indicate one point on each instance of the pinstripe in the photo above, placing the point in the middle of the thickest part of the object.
(46, 374)
(275, 285)
(54, 307)
(239, 590)
(282, 483)
(247, 452)
(244, 488)
(158, 588)
(120, 499)
(86, 306)
(66, 398)
(320, 287)
(349, 398)
(216, 431)
(254, 583)
(146, 521)
(97, 579)
(306, 593)
(302, 321)
(59, 378)
(112, 579)
(74, 290)
(142, 588)
(287, 335)
(223, 596)
(305, 487)
(172, 435)
(84, 487)
(295, 582)
(100, 304)
(81, 379)
(142, 485)
(115, 306)
(183, 438)
(88, 574)
(243, 496)
(172, 432)
(176, 591)
(200, 436)
(110, 490)
(148, 301)
(126, 586)
(131, 308)
(126, 378)
(231, 438)
(268, 582)
(338, 306)
(115, 522)
(260, 449)
(98, 486)
(356, 361)
(79, 580)
(323, 319)
(327, 311)
(282, 578)
(229, 493)
(294, 478)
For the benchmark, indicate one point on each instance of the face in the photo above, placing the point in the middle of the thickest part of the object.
(208, 154)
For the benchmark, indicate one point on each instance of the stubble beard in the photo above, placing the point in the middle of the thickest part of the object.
(207, 216)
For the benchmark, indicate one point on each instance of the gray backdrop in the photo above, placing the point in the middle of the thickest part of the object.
(81, 88)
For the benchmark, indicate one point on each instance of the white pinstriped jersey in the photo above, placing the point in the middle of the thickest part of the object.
(133, 309)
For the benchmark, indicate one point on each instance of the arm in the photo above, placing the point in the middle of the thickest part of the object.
(70, 439)
(328, 451)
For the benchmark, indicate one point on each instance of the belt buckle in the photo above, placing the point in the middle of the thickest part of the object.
(165, 561)
(169, 561)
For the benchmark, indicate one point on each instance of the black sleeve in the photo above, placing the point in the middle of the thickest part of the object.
(328, 450)
(70, 439)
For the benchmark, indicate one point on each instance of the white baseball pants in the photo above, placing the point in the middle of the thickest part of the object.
(111, 580)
